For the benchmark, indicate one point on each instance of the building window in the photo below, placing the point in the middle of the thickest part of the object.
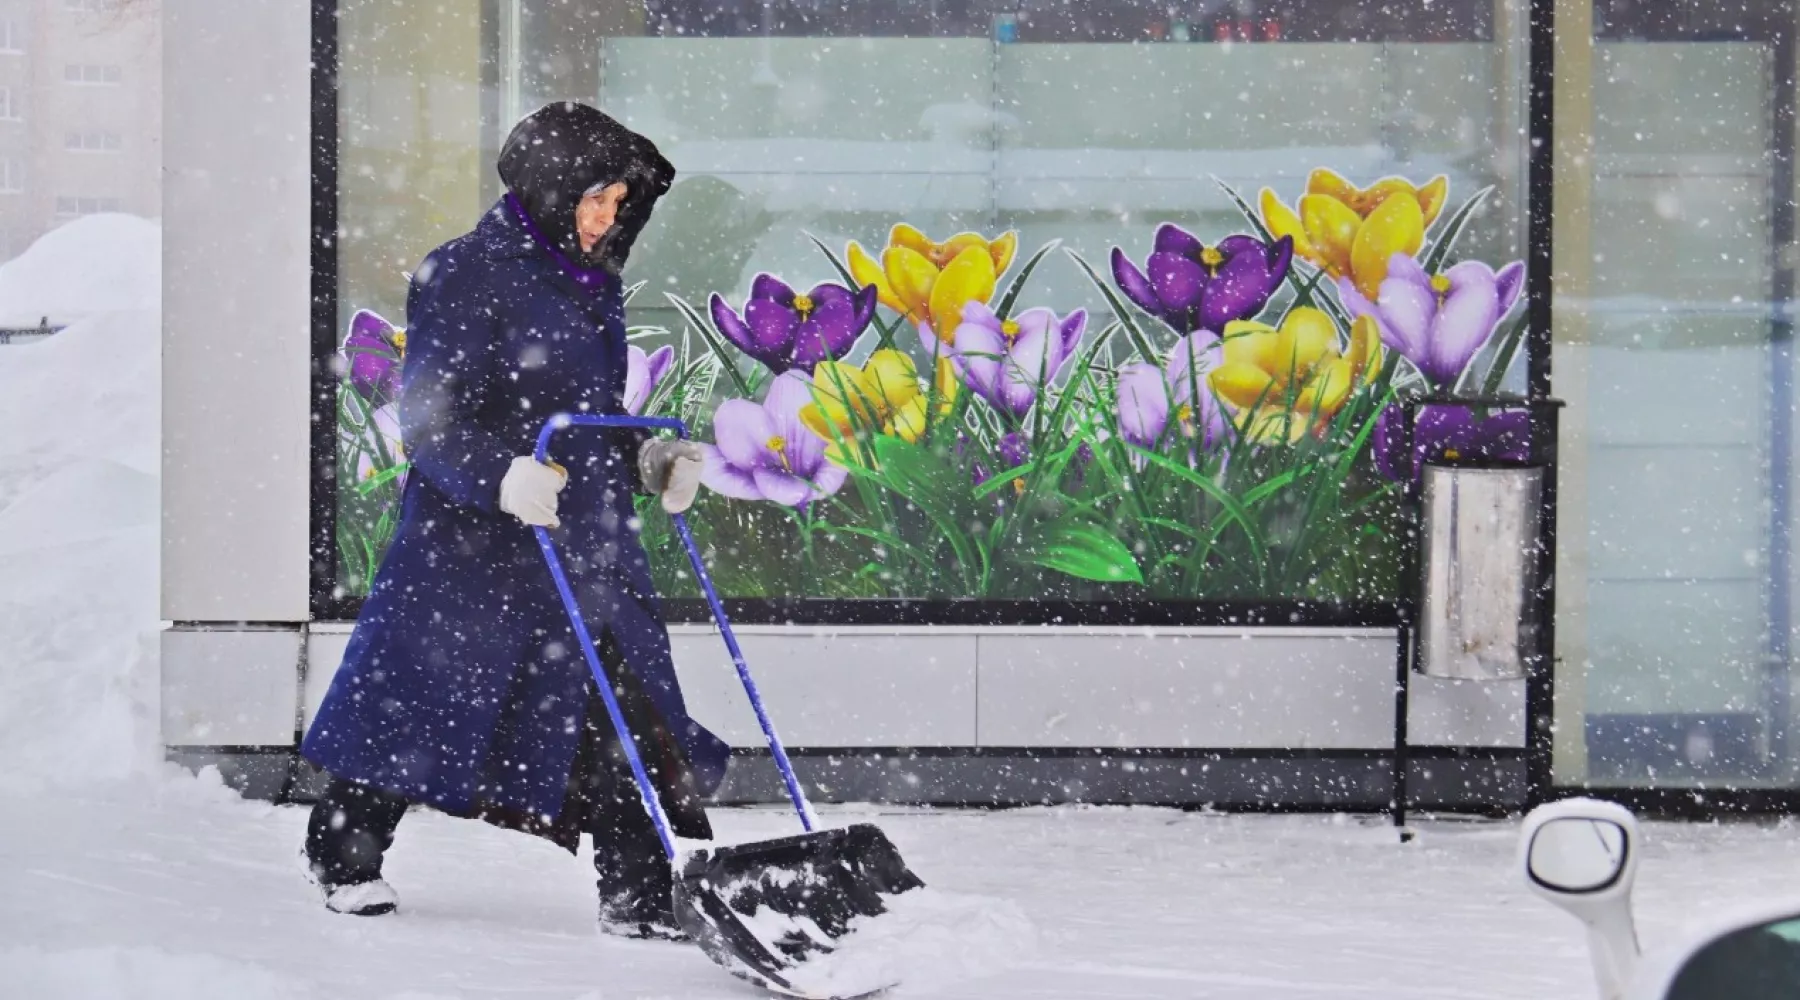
(69, 207)
(91, 142)
(9, 106)
(12, 175)
(12, 38)
(92, 75)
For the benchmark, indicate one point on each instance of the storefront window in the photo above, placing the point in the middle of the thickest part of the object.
(1675, 239)
(849, 143)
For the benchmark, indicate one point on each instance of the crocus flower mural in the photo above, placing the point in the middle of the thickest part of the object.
(1354, 232)
(644, 372)
(372, 352)
(1192, 286)
(371, 460)
(927, 282)
(1438, 322)
(1290, 380)
(883, 396)
(784, 329)
(932, 428)
(763, 451)
(1011, 452)
(1151, 395)
(1008, 362)
(1452, 433)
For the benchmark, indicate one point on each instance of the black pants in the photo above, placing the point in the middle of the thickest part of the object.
(352, 825)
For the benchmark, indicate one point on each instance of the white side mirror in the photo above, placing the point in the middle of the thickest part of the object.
(1581, 855)
(1756, 954)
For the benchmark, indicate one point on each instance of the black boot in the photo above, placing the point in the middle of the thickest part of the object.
(351, 827)
(631, 872)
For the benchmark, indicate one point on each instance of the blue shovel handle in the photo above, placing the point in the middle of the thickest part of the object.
(652, 803)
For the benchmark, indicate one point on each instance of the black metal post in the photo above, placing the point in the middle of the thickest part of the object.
(1540, 685)
(1780, 608)
(1411, 600)
(324, 568)
(1540, 676)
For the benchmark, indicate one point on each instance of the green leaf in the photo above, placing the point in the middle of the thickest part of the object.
(1250, 216)
(1233, 509)
(837, 262)
(381, 478)
(1080, 374)
(1504, 355)
(1262, 491)
(1018, 283)
(704, 328)
(891, 541)
(1180, 528)
(1145, 348)
(1003, 479)
(1307, 296)
(932, 485)
(1085, 551)
(1446, 238)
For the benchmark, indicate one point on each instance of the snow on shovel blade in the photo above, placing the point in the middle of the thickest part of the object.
(775, 911)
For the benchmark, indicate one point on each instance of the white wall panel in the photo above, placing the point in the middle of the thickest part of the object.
(236, 300)
(229, 687)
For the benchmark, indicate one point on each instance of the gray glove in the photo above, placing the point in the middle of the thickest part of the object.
(670, 468)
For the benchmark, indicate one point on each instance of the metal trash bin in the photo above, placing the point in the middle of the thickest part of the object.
(1480, 561)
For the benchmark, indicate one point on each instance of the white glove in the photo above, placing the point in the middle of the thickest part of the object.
(528, 491)
(671, 468)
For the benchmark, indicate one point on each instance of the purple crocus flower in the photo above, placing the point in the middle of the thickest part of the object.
(1438, 323)
(785, 330)
(1191, 286)
(1006, 362)
(1148, 394)
(1011, 451)
(763, 451)
(643, 373)
(372, 351)
(1450, 432)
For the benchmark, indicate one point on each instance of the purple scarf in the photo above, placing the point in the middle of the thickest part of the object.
(592, 280)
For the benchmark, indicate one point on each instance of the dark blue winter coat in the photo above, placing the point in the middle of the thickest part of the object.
(463, 686)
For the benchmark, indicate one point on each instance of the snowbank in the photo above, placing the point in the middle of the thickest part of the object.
(96, 264)
(138, 972)
(80, 437)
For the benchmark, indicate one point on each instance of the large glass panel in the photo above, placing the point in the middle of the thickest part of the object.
(815, 139)
(1675, 352)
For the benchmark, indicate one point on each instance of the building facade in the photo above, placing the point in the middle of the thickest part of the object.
(80, 113)
(1620, 172)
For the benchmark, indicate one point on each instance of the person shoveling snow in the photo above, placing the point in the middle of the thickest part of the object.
(471, 682)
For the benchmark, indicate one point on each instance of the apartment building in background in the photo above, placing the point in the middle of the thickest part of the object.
(80, 113)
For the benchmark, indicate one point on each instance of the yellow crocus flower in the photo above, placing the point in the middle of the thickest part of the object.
(1351, 232)
(929, 282)
(885, 393)
(1294, 379)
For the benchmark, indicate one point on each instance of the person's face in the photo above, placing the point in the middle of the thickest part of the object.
(596, 214)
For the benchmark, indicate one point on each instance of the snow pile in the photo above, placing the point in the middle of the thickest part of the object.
(79, 505)
(122, 973)
(96, 264)
(927, 939)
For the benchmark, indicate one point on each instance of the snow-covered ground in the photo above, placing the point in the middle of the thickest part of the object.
(122, 877)
(178, 891)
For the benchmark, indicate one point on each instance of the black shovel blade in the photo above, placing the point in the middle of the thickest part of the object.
(766, 910)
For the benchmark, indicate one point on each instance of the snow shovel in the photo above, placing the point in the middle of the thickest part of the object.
(771, 912)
